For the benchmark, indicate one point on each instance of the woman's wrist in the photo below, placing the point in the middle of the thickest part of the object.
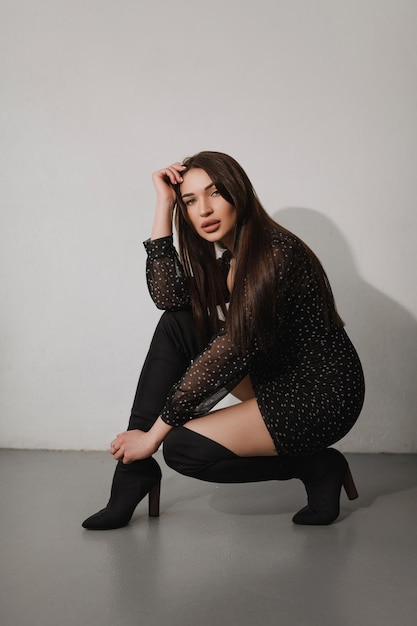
(165, 204)
(158, 432)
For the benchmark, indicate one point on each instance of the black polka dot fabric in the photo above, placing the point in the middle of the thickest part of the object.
(309, 384)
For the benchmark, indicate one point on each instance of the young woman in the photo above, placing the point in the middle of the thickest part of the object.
(248, 310)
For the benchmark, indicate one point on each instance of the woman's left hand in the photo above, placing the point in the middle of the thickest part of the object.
(133, 445)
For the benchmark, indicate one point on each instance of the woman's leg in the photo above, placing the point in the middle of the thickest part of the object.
(240, 428)
(234, 446)
(173, 346)
(231, 445)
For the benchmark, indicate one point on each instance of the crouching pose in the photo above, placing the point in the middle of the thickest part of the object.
(249, 311)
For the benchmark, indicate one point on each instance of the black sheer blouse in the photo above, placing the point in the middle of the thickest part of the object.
(220, 367)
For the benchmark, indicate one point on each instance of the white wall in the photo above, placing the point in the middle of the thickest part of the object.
(317, 100)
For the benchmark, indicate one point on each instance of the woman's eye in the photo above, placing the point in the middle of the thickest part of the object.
(215, 193)
(190, 202)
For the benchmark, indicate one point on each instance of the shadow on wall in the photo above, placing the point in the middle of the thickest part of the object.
(383, 332)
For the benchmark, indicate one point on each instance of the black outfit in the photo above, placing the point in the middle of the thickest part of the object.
(309, 385)
(309, 388)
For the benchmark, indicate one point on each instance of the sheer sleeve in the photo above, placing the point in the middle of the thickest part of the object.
(211, 376)
(164, 275)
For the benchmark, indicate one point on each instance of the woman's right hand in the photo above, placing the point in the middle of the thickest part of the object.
(165, 181)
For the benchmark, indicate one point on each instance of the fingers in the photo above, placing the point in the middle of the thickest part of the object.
(172, 173)
(118, 453)
(131, 446)
(118, 448)
(115, 448)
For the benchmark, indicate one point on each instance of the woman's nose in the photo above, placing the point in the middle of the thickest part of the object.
(205, 208)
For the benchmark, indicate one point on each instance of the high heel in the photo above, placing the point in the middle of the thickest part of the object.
(131, 483)
(323, 475)
(349, 485)
(154, 499)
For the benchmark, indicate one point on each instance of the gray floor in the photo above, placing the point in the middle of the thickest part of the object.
(219, 554)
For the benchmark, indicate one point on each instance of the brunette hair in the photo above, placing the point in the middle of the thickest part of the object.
(251, 314)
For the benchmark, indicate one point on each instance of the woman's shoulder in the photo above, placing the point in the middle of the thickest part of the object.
(286, 242)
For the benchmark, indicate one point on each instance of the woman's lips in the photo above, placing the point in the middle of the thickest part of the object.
(210, 226)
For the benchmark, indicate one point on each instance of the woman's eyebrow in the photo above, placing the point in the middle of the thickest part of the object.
(193, 194)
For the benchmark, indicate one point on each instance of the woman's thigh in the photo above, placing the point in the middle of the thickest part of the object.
(240, 428)
(244, 390)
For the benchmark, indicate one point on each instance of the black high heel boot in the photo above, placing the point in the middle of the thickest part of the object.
(173, 346)
(131, 483)
(323, 475)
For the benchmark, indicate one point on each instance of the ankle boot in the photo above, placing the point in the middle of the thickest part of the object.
(323, 475)
(131, 483)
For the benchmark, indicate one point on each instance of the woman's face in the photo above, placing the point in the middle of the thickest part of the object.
(212, 217)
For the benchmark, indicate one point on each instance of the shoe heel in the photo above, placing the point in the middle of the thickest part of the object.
(153, 501)
(349, 485)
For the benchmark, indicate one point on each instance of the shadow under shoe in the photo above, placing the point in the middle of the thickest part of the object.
(131, 483)
(323, 475)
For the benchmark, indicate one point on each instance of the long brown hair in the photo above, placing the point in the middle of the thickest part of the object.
(252, 309)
